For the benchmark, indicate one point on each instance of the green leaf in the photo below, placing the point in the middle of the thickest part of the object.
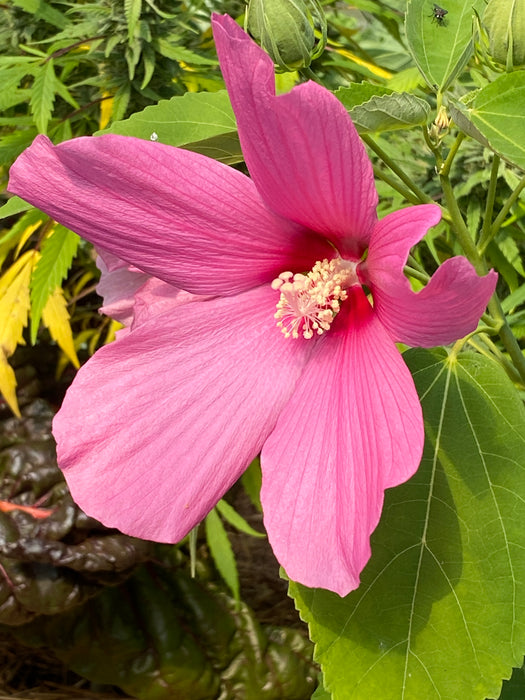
(182, 54)
(499, 115)
(221, 551)
(12, 145)
(358, 93)
(57, 254)
(13, 206)
(386, 112)
(132, 10)
(43, 95)
(321, 693)
(200, 121)
(43, 10)
(164, 636)
(440, 612)
(230, 515)
(441, 49)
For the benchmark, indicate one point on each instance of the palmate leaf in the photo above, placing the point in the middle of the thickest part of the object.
(57, 254)
(441, 49)
(56, 319)
(14, 310)
(200, 121)
(384, 112)
(222, 552)
(43, 95)
(440, 612)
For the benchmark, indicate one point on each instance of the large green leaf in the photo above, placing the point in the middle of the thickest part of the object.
(440, 612)
(498, 112)
(198, 121)
(165, 636)
(441, 49)
(384, 112)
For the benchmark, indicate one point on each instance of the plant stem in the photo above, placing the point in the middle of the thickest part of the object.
(394, 167)
(507, 337)
(489, 206)
(498, 221)
(394, 184)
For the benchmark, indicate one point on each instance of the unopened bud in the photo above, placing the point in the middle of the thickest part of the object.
(286, 30)
(504, 22)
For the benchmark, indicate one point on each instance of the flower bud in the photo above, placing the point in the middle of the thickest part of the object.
(504, 22)
(286, 30)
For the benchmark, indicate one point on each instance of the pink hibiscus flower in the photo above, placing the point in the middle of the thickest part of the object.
(158, 425)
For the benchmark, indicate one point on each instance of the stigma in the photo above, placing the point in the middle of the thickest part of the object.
(310, 302)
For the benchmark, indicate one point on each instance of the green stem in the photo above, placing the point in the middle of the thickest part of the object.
(489, 206)
(447, 164)
(498, 221)
(507, 337)
(416, 274)
(486, 347)
(394, 184)
(394, 167)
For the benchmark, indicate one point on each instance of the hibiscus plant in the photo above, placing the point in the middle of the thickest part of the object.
(272, 305)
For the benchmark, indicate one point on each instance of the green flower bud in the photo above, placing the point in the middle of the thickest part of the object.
(504, 22)
(286, 30)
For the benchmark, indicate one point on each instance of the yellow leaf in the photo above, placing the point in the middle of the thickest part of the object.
(15, 301)
(106, 109)
(376, 70)
(56, 318)
(26, 235)
(8, 384)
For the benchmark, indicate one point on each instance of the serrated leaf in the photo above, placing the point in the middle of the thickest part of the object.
(321, 693)
(188, 121)
(498, 114)
(132, 10)
(15, 205)
(387, 112)
(57, 254)
(440, 612)
(12, 145)
(234, 518)
(358, 93)
(43, 10)
(43, 95)
(56, 319)
(8, 384)
(441, 49)
(182, 54)
(14, 301)
(221, 551)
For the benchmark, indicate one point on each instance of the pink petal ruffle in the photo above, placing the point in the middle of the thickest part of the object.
(448, 308)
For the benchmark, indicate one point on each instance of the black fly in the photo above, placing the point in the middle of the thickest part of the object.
(438, 15)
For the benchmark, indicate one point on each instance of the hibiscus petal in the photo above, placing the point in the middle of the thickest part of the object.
(352, 428)
(117, 286)
(157, 426)
(177, 215)
(449, 306)
(301, 148)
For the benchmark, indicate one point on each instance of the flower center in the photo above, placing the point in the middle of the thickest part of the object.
(309, 303)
